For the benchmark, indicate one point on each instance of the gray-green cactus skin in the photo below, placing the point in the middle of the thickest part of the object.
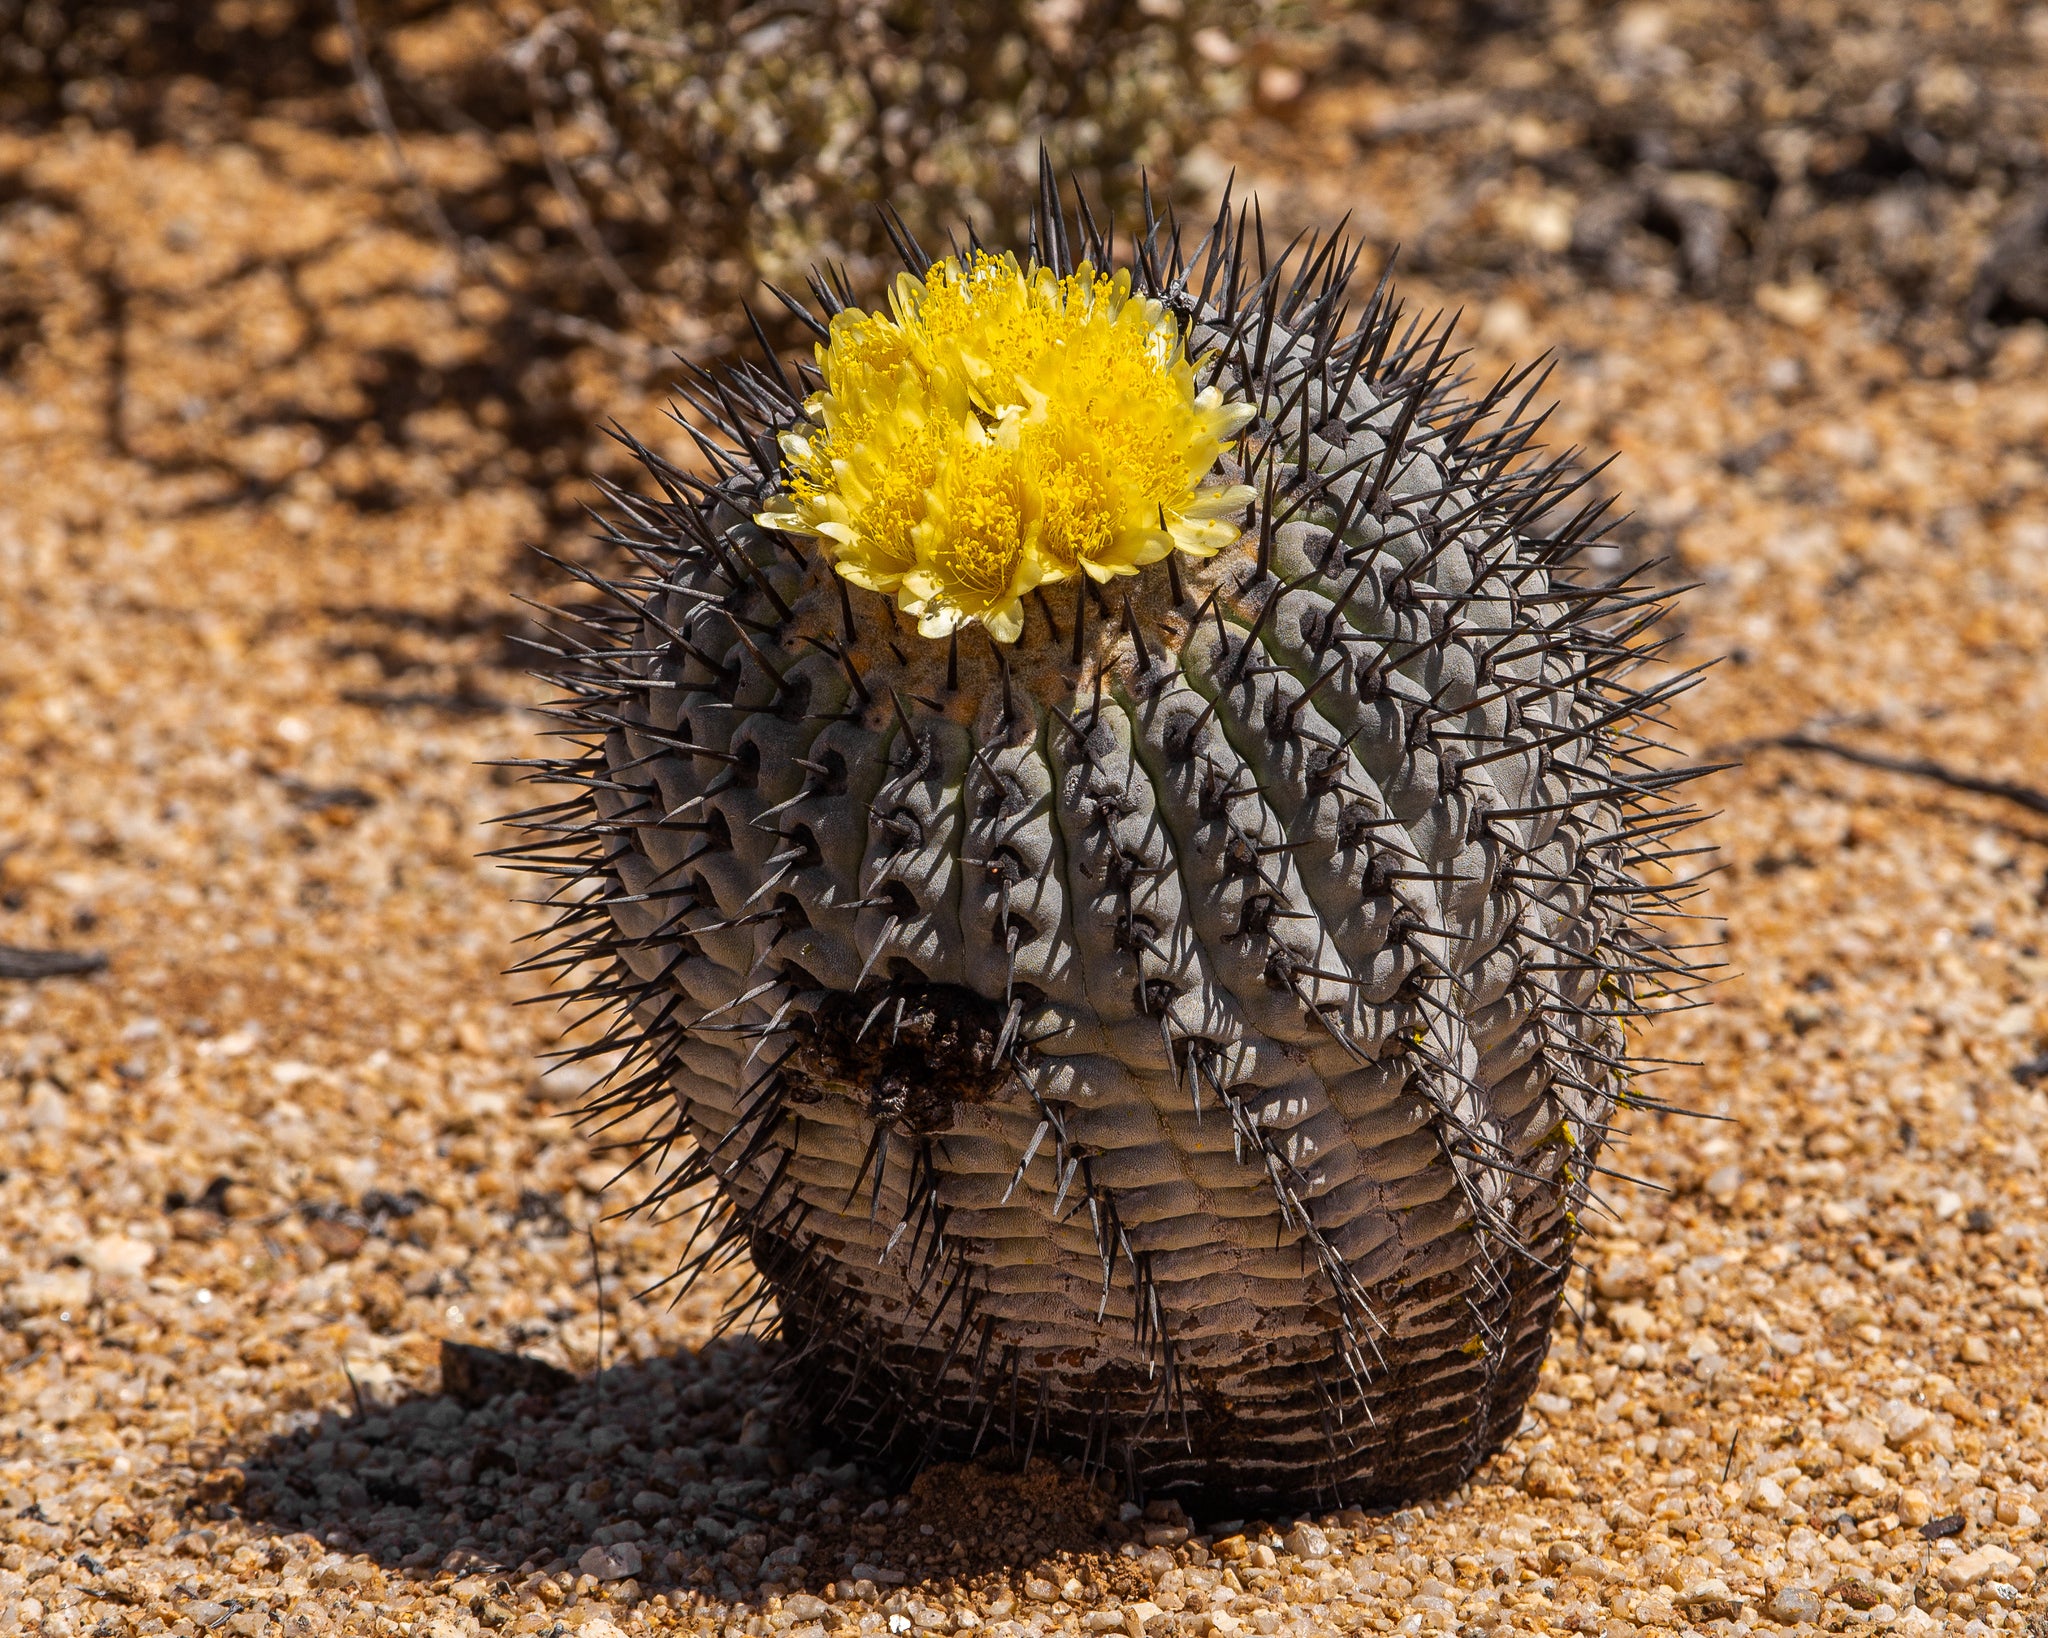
(1179, 1041)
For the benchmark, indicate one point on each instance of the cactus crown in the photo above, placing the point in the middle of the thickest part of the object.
(1003, 428)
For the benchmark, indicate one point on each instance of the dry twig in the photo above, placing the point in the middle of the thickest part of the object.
(2034, 801)
(34, 964)
(468, 255)
(379, 107)
(526, 57)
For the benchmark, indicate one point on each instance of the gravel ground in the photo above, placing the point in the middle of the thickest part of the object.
(270, 1177)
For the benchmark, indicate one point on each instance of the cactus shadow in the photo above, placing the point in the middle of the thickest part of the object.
(661, 1466)
(701, 1473)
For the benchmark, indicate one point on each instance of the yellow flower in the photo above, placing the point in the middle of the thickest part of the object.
(1003, 428)
(977, 547)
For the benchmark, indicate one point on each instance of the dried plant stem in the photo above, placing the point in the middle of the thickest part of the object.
(526, 56)
(597, 1278)
(2034, 801)
(379, 108)
(468, 256)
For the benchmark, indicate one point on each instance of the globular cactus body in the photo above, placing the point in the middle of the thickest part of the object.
(1179, 1036)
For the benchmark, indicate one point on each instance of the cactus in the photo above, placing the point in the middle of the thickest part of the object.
(1125, 877)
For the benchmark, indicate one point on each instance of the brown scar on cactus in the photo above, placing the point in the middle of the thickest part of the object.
(1114, 832)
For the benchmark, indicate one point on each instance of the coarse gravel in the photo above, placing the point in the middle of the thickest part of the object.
(265, 1178)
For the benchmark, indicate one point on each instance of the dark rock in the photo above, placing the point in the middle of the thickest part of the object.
(473, 1376)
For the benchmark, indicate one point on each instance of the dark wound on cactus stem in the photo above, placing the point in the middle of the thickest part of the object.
(1183, 1039)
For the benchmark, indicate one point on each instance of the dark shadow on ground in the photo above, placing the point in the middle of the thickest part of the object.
(699, 1473)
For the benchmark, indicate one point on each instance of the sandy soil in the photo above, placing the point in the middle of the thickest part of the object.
(268, 464)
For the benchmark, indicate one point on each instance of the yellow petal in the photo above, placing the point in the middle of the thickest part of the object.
(1216, 502)
(1199, 539)
(1005, 624)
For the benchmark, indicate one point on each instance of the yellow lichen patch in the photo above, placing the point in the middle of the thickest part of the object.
(1002, 428)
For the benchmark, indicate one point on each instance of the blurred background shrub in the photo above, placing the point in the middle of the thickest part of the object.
(653, 159)
(539, 207)
(1894, 152)
(657, 158)
(767, 133)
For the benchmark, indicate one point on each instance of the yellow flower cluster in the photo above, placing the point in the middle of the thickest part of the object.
(1003, 428)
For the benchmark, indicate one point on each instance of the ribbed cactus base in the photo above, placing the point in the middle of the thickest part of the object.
(1181, 1037)
(1252, 1434)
